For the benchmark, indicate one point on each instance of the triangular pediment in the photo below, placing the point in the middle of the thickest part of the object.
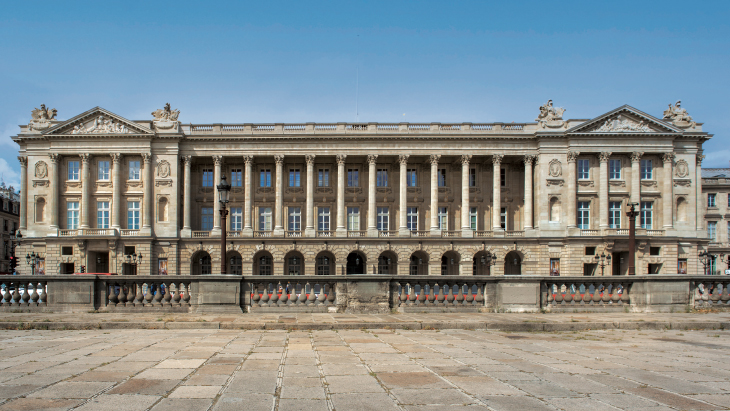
(98, 121)
(624, 120)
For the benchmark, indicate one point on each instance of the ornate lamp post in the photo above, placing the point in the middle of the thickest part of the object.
(488, 260)
(603, 260)
(632, 213)
(135, 260)
(223, 191)
(706, 259)
(722, 260)
(32, 260)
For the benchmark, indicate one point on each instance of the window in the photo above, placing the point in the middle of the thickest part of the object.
(472, 177)
(265, 218)
(295, 265)
(295, 177)
(614, 214)
(295, 218)
(134, 170)
(584, 215)
(207, 177)
(353, 218)
(647, 172)
(323, 219)
(503, 218)
(442, 177)
(655, 251)
(162, 209)
(73, 170)
(443, 218)
(102, 214)
(133, 215)
(412, 218)
(382, 178)
(728, 231)
(473, 218)
(383, 219)
(265, 263)
(647, 214)
(614, 169)
(206, 222)
(67, 250)
(590, 250)
(711, 200)
(72, 215)
(584, 167)
(712, 230)
(411, 178)
(555, 266)
(323, 178)
(323, 265)
(236, 218)
(236, 177)
(353, 178)
(503, 177)
(265, 178)
(103, 170)
(682, 266)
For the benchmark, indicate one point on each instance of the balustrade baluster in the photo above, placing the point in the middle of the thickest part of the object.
(459, 297)
(431, 294)
(122, 296)
(724, 297)
(16, 294)
(550, 295)
(469, 296)
(148, 295)
(310, 297)
(112, 287)
(411, 294)
(34, 296)
(168, 295)
(265, 296)
(440, 299)
(403, 297)
(450, 296)
(6, 294)
(597, 293)
(587, 294)
(274, 299)
(176, 298)
(568, 293)
(559, 293)
(321, 298)
(44, 295)
(605, 298)
(284, 299)
(186, 296)
(331, 294)
(715, 294)
(614, 293)
(422, 295)
(480, 295)
(25, 296)
(625, 297)
(255, 297)
(138, 296)
(157, 301)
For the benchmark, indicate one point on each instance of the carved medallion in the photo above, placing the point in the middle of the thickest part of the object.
(41, 169)
(163, 169)
(555, 169)
(681, 170)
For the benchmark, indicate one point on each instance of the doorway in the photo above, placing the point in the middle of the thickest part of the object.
(355, 264)
(102, 262)
(620, 263)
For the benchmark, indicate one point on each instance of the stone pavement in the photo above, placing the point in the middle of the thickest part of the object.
(378, 369)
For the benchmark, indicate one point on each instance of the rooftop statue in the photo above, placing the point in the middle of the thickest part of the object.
(550, 116)
(41, 118)
(165, 118)
(678, 116)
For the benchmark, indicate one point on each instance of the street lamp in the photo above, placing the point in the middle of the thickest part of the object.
(706, 259)
(134, 259)
(722, 260)
(32, 260)
(488, 260)
(224, 190)
(603, 260)
(632, 213)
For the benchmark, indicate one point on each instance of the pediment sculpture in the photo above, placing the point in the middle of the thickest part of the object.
(165, 118)
(101, 125)
(678, 116)
(41, 118)
(623, 124)
(550, 116)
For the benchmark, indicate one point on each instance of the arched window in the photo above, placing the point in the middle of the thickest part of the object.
(265, 265)
(554, 209)
(162, 209)
(295, 265)
(323, 265)
(40, 210)
(681, 209)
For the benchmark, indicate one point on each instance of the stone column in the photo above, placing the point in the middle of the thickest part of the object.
(116, 191)
(435, 193)
(527, 224)
(571, 199)
(466, 230)
(278, 224)
(53, 201)
(309, 231)
(187, 194)
(403, 196)
(635, 181)
(247, 210)
(603, 189)
(23, 193)
(148, 196)
(217, 161)
(667, 195)
(85, 189)
(341, 214)
(496, 192)
(372, 227)
(699, 198)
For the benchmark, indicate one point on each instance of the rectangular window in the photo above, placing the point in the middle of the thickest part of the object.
(712, 230)
(72, 214)
(647, 172)
(411, 179)
(206, 218)
(647, 214)
(73, 170)
(103, 170)
(133, 215)
(473, 218)
(503, 218)
(711, 200)
(295, 219)
(236, 177)
(412, 218)
(236, 218)
(383, 219)
(584, 215)
(472, 177)
(265, 178)
(503, 177)
(134, 168)
(353, 218)
(102, 214)
(614, 214)
(207, 177)
(614, 169)
(295, 177)
(382, 178)
(555, 266)
(323, 219)
(323, 179)
(584, 169)
(443, 218)
(442, 177)
(682, 266)
(353, 178)
(264, 218)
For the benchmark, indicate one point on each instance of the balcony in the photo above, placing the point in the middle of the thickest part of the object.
(293, 234)
(483, 234)
(387, 233)
(201, 234)
(129, 233)
(655, 233)
(325, 233)
(589, 233)
(263, 234)
(91, 232)
(450, 234)
(233, 234)
(514, 233)
(357, 233)
(420, 233)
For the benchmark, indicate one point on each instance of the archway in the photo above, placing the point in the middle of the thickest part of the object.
(201, 264)
(418, 264)
(234, 263)
(263, 263)
(294, 263)
(356, 263)
(450, 263)
(388, 263)
(482, 263)
(325, 263)
(513, 263)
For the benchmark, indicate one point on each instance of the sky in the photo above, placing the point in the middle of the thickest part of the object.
(384, 61)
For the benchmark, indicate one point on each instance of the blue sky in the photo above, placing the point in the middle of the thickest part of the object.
(291, 61)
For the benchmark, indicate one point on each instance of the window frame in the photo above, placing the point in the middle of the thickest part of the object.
(103, 173)
(73, 214)
(103, 213)
(614, 173)
(134, 208)
(236, 219)
(135, 168)
(443, 218)
(264, 177)
(353, 177)
(647, 215)
(295, 177)
(711, 200)
(412, 218)
(383, 218)
(323, 177)
(74, 170)
(614, 214)
(442, 177)
(712, 231)
(236, 177)
(412, 177)
(323, 219)
(584, 169)
(473, 218)
(206, 218)
(206, 177)
(381, 179)
(646, 169)
(583, 215)
(294, 219)
(353, 218)
(265, 219)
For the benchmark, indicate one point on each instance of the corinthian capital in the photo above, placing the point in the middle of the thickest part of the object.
(403, 159)
(434, 160)
(341, 159)
(372, 159)
(23, 161)
(636, 156)
(116, 157)
(700, 157)
(85, 157)
(309, 158)
(528, 159)
(279, 159)
(573, 156)
(497, 158)
(247, 160)
(54, 157)
(668, 158)
(186, 160)
(604, 156)
(217, 160)
(465, 160)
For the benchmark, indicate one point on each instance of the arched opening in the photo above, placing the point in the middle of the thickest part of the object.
(681, 209)
(294, 263)
(325, 263)
(482, 263)
(263, 263)
(450, 263)
(201, 264)
(356, 263)
(162, 209)
(388, 263)
(554, 209)
(234, 263)
(419, 263)
(513, 263)
(40, 210)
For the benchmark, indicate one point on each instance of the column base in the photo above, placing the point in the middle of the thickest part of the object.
(310, 232)
(215, 232)
(435, 232)
(341, 232)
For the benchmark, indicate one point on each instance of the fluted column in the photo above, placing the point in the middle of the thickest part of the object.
(217, 161)
(466, 230)
(496, 192)
(341, 214)
(85, 188)
(571, 200)
(187, 194)
(667, 195)
(635, 181)
(372, 228)
(435, 192)
(309, 230)
(53, 203)
(147, 199)
(699, 198)
(117, 191)
(23, 193)
(603, 188)
(278, 224)
(247, 227)
(403, 196)
(527, 224)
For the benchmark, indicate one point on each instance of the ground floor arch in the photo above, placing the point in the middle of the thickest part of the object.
(450, 263)
(418, 263)
(324, 263)
(513, 263)
(356, 263)
(263, 263)
(234, 263)
(388, 263)
(201, 263)
(294, 263)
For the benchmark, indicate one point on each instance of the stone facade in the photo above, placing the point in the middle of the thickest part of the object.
(367, 198)
(9, 220)
(716, 199)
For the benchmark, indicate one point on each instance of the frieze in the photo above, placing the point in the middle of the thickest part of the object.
(40, 183)
(104, 184)
(649, 183)
(133, 184)
(163, 183)
(72, 184)
(555, 182)
(682, 183)
(617, 183)
(622, 124)
(101, 125)
(586, 183)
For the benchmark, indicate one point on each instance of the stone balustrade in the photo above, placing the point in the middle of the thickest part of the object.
(603, 293)
(711, 292)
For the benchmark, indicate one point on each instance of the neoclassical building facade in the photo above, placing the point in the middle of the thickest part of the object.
(536, 198)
